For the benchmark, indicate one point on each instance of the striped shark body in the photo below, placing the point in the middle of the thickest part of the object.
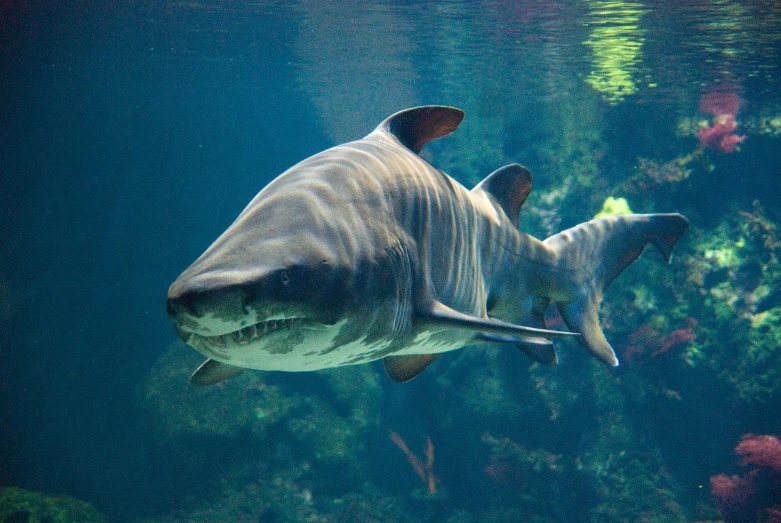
(366, 251)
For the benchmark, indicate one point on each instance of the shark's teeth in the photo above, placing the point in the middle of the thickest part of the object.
(243, 336)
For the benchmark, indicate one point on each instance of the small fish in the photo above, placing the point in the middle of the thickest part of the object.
(366, 251)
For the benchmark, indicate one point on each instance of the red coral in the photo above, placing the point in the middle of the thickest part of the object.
(732, 494)
(761, 451)
(755, 496)
(719, 135)
(638, 344)
(723, 104)
(678, 338)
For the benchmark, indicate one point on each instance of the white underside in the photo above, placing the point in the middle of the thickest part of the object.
(310, 353)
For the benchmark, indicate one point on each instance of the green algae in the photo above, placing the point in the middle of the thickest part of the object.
(624, 469)
(175, 408)
(613, 207)
(33, 507)
(358, 389)
(735, 268)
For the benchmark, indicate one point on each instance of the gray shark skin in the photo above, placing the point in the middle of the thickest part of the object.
(366, 251)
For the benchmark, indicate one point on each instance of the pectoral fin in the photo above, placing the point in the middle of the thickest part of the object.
(438, 314)
(403, 368)
(211, 372)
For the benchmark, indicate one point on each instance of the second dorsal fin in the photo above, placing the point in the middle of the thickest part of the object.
(509, 186)
(417, 126)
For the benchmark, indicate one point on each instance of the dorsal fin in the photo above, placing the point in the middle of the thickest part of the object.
(509, 186)
(403, 368)
(417, 126)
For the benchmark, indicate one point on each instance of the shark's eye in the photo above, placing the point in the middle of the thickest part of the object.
(284, 277)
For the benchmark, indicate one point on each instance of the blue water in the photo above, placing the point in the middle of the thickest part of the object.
(132, 135)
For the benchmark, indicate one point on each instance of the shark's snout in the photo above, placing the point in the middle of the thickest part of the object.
(208, 307)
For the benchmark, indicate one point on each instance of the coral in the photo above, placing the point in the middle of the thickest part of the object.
(760, 451)
(723, 104)
(488, 394)
(634, 349)
(756, 495)
(678, 338)
(733, 494)
(614, 206)
(18, 505)
(719, 134)
(424, 471)
(648, 341)
(371, 506)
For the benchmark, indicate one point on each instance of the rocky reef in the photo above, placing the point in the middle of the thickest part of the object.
(23, 506)
(487, 435)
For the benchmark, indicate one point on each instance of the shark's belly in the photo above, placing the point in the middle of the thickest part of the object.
(293, 352)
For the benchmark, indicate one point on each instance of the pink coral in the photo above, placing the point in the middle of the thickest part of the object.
(720, 135)
(732, 493)
(755, 496)
(761, 451)
(638, 344)
(678, 338)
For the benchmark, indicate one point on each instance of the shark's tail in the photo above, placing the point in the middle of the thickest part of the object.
(590, 256)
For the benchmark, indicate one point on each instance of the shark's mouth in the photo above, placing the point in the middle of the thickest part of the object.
(243, 336)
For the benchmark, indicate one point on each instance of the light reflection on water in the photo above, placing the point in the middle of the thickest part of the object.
(391, 54)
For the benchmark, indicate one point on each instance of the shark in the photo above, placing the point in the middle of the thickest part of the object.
(366, 251)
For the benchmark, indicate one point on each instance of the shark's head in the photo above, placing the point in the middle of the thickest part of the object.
(293, 279)
(251, 315)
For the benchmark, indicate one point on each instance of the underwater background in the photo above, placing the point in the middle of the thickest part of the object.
(133, 133)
